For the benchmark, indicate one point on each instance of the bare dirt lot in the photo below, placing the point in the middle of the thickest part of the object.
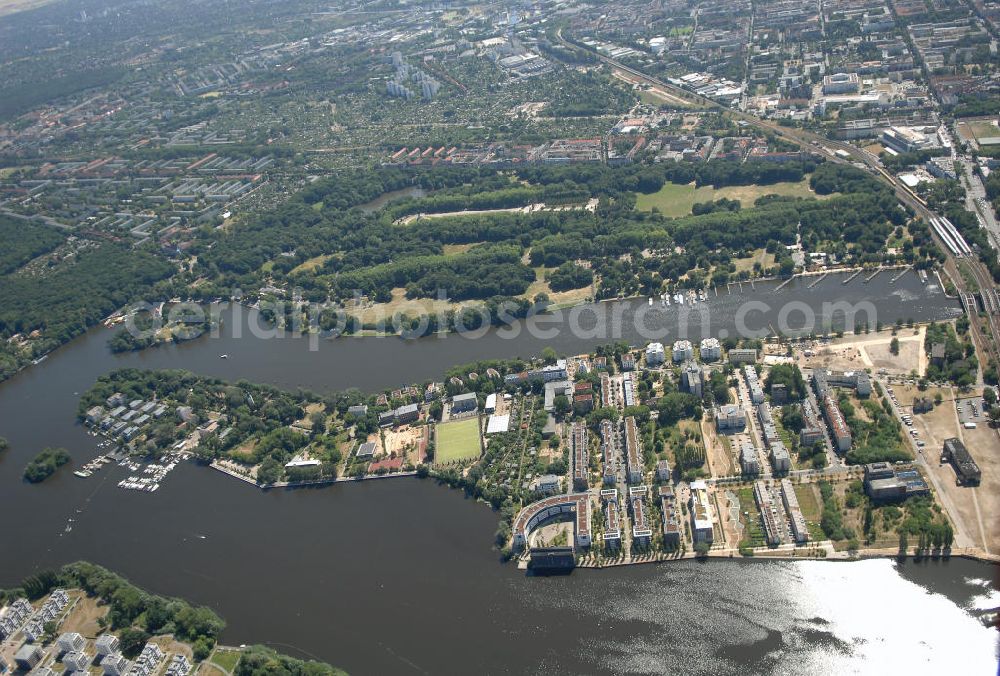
(405, 442)
(974, 508)
(83, 618)
(870, 351)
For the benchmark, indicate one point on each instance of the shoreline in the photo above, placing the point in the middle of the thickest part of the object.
(760, 554)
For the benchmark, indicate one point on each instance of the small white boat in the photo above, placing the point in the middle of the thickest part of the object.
(223, 356)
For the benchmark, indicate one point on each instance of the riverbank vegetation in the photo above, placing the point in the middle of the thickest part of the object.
(45, 464)
(137, 616)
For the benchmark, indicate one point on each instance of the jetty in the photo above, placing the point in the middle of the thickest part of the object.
(819, 279)
(851, 278)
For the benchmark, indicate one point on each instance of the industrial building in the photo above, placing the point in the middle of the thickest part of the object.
(967, 472)
(884, 482)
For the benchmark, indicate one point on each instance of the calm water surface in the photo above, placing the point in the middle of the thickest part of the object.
(398, 576)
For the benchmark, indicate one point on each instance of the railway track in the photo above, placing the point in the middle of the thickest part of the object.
(814, 142)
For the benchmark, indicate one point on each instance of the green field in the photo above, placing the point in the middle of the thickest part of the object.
(457, 441)
(674, 200)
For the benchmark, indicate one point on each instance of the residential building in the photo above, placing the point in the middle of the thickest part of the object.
(358, 410)
(768, 513)
(628, 362)
(780, 459)
(106, 644)
(464, 403)
(70, 642)
(753, 384)
(710, 349)
(742, 355)
(730, 418)
(609, 452)
(800, 531)
(612, 520)
(408, 413)
(655, 354)
(633, 452)
(838, 426)
(115, 664)
(663, 472)
(641, 533)
(671, 521)
(749, 462)
(366, 450)
(76, 661)
(580, 456)
(702, 529)
(28, 657)
(691, 378)
(682, 351)
(629, 390)
(547, 483)
(824, 379)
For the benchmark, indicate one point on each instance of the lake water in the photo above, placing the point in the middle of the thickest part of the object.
(399, 576)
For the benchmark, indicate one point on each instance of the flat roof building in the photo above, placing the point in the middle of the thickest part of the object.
(800, 531)
(702, 529)
(967, 472)
(730, 418)
(633, 451)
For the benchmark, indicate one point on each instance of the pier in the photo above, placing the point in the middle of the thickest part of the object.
(819, 279)
(873, 275)
(851, 278)
(901, 273)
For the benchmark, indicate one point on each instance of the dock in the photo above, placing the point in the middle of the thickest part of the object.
(819, 279)
(873, 275)
(782, 285)
(851, 278)
(901, 273)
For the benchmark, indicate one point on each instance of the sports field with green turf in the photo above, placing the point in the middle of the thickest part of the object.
(457, 441)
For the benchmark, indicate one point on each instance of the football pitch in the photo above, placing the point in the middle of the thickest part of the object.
(457, 441)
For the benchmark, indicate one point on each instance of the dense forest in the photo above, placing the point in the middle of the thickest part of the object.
(24, 240)
(73, 296)
(368, 253)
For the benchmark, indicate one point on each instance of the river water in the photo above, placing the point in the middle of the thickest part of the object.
(398, 576)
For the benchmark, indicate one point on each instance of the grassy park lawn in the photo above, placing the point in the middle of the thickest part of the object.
(225, 659)
(675, 200)
(311, 264)
(457, 441)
